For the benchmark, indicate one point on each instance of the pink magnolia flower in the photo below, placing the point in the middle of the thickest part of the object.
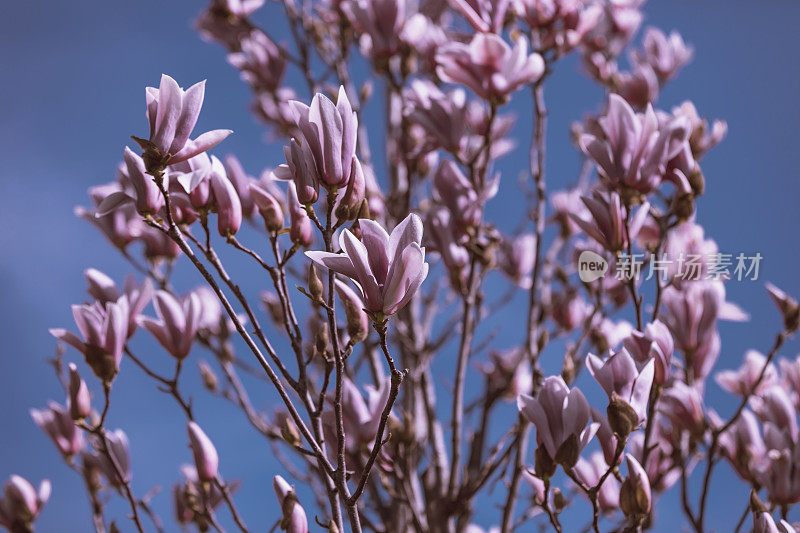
(561, 416)
(484, 15)
(790, 376)
(172, 114)
(639, 87)
(589, 473)
(632, 150)
(119, 449)
(121, 226)
(665, 54)
(177, 322)
(102, 288)
(453, 190)
(186, 494)
(628, 388)
(387, 268)
(488, 66)
(618, 23)
(508, 372)
(777, 474)
(424, 37)
(568, 309)
(560, 24)
(703, 136)
(607, 222)
(361, 417)
(661, 468)
(57, 423)
(213, 190)
(205, 455)
(691, 312)
(606, 437)
(516, 258)
(301, 169)
(743, 445)
(743, 380)
(80, 401)
(656, 343)
(441, 237)
(764, 523)
(21, 503)
(775, 408)
(635, 498)
(682, 405)
(293, 515)
(261, 62)
(104, 328)
(138, 188)
(330, 131)
(226, 21)
(442, 115)
(379, 22)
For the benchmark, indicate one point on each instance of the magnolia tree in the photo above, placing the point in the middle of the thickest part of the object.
(375, 269)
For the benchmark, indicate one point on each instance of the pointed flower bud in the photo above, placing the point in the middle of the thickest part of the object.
(299, 223)
(788, 307)
(357, 320)
(294, 516)
(206, 459)
(80, 403)
(268, 207)
(634, 495)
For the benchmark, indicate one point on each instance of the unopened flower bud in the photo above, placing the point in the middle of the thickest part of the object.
(321, 340)
(315, 287)
(268, 207)
(788, 307)
(568, 370)
(357, 320)
(293, 515)
(634, 494)
(621, 416)
(289, 432)
(272, 303)
(559, 500)
(206, 459)
(350, 203)
(210, 381)
(80, 403)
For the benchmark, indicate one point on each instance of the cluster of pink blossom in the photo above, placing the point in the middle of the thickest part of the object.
(382, 442)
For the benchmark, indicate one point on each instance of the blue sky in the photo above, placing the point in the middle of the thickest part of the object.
(74, 91)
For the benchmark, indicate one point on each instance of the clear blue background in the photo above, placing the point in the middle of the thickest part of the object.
(73, 91)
